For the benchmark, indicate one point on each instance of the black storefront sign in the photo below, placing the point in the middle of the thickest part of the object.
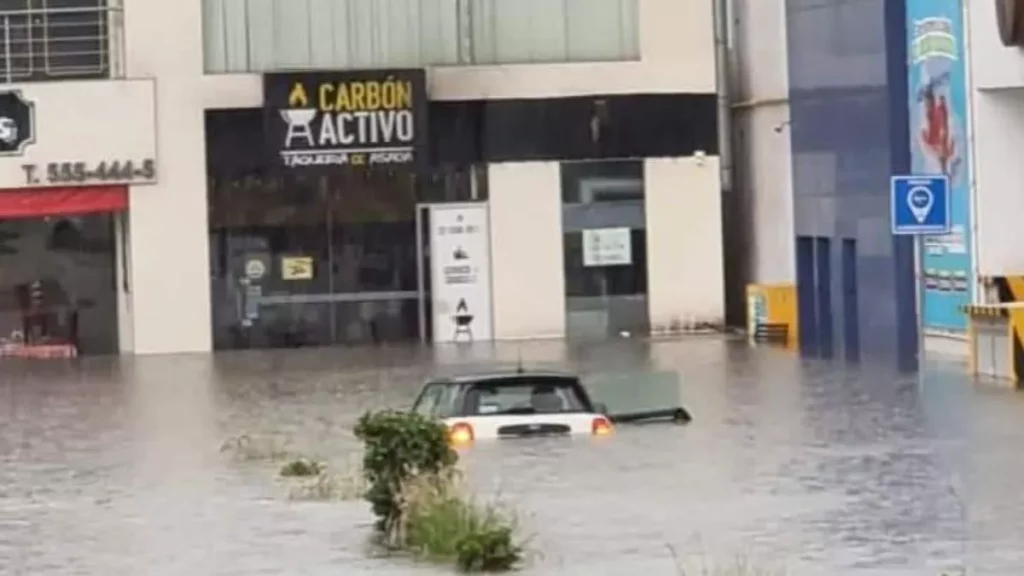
(17, 123)
(355, 118)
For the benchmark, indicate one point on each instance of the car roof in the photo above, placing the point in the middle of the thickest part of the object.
(497, 377)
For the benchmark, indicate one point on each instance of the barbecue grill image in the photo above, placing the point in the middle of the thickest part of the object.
(463, 319)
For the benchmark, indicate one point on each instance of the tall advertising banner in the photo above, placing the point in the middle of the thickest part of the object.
(460, 272)
(938, 104)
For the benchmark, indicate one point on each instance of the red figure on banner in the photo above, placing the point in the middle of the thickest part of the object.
(937, 135)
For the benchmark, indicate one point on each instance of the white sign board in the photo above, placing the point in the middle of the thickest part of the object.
(460, 272)
(81, 133)
(607, 247)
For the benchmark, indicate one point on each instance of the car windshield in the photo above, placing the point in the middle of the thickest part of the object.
(524, 395)
(435, 401)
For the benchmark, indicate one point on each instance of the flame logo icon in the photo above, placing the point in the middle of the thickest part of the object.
(297, 98)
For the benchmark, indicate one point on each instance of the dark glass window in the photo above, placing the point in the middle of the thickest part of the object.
(596, 281)
(453, 184)
(58, 282)
(596, 182)
(603, 300)
(321, 260)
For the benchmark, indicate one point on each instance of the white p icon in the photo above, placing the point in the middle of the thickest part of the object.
(920, 201)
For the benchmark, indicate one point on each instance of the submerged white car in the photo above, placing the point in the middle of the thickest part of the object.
(520, 403)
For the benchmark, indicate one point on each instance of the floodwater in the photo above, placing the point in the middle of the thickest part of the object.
(114, 466)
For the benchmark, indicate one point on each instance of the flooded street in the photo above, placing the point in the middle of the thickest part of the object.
(113, 466)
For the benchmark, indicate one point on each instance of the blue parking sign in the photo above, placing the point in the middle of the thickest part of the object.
(920, 205)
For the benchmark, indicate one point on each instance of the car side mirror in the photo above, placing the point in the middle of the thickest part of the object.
(601, 408)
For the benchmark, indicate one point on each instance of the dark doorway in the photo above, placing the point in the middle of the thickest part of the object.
(314, 261)
(58, 284)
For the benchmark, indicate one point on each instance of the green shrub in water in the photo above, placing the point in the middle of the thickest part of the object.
(490, 550)
(441, 523)
(399, 447)
(415, 494)
(302, 467)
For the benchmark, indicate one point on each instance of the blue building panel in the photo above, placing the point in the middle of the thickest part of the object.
(849, 135)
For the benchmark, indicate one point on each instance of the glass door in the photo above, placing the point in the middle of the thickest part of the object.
(315, 261)
(282, 266)
(372, 235)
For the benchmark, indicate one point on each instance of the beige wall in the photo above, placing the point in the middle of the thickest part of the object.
(685, 282)
(169, 251)
(997, 130)
(993, 66)
(527, 268)
(999, 181)
(764, 180)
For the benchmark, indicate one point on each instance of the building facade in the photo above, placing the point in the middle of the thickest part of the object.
(762, 241)
(464, 169)
(849, 129)
(996, 90)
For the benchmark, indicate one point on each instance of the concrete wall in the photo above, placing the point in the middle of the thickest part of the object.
(764, 182)
(993, 66)
(169, 249)
(999, 177)
(527, 267)
(997, 97)
(685, 282)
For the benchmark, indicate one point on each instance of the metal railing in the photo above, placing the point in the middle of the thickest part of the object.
(60, 40)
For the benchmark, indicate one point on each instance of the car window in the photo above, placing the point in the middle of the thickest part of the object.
(524, 396)
(434, 401)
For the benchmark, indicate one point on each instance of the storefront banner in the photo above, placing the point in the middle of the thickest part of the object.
(353, 118)
(460, 272)
(81, 133)
(938, 132)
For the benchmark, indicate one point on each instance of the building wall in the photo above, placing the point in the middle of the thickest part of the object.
(848, 99)
(168, 247)
(763, 180)
(685, 267)
(999, 137)
(528, 282)
(168, 307)
(997, 96)
(993, 66)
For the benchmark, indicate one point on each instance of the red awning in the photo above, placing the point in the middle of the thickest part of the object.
(66, 201)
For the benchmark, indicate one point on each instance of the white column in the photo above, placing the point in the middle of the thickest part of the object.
(169, 247)
(685, 266)
(527, 268)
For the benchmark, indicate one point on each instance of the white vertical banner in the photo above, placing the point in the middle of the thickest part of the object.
(460, 272)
